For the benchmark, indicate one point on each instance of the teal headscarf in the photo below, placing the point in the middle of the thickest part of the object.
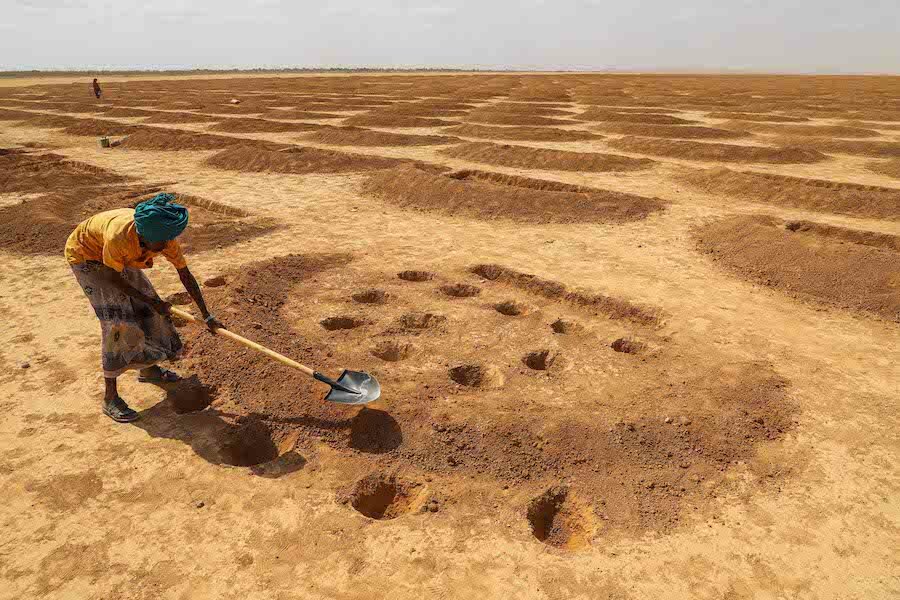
(159, 219)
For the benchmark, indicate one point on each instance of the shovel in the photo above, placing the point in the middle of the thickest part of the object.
(352, 387)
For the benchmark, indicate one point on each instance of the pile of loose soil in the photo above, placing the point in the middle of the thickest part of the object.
(519, 119)
(47, 121)
(843, 234)
(124, 112)
(100, 127)
(421, 110)
(179, 117)
(14, 115)
(42, 225)
(837, 131)
(412, 188)
(692, 132)
(870, 149)
(359, 136)
(298, 160)
(820, 263)
(520, 182)
(891, 168)
(797, 192)
(234, 109)
(150, 138)
(679, 444)
(531, 134)
(378, 119)
(527, 108)
(245, 125)
(541, 158)
(688, 150)
(599, 304)
(873, 125)
(738, 116)
(25, 171)
(300, 115)
(600, 114)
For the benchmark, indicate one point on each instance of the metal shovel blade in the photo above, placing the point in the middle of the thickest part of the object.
(352, 387)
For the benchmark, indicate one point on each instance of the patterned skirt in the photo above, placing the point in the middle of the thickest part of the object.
(134, 335)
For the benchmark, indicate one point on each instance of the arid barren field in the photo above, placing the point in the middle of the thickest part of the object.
(638, 337)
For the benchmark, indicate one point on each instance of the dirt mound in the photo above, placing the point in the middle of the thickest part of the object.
(812, 262)
(533, 134)
(14, 115)
(521, 182)
(244, 125)
(797, 192)
(99, 127)
(42, 225)
(45, 121)
(599, 114)
(482, 198)
(416, 109)
(540, 158)
(718, 152)
(149, 138)
(25, 171)
(394, 120)
(670, 131)
(359, 136)
(179, 117)
(521, 119)
(300, 115)
(739, 116)
(843, 234)
(870, 149)
(124, 112)
(891, 168)
(614, 308)
(299, 160)
(837, 131)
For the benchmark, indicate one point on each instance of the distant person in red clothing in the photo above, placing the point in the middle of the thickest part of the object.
(97, 91)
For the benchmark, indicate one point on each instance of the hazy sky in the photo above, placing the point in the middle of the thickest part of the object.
(773, 35)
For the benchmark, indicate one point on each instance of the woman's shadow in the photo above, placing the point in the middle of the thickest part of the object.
(229, 439)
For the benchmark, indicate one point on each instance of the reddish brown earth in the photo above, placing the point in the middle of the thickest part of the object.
(519, 199)
(833, 265)
(540, 158)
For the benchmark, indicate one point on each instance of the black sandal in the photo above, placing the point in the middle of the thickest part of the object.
(165, 376)
(119, 411)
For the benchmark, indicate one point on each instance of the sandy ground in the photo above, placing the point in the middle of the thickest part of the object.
(98, 510)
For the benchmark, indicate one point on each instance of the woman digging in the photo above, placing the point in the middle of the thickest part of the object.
(107, 253)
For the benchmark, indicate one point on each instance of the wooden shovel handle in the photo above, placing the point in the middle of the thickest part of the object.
(245, 342)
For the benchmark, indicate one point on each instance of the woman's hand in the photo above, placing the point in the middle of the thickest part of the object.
(213, 323)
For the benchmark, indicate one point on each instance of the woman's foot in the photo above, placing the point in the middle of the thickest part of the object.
(156, 374)
(119, 411)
